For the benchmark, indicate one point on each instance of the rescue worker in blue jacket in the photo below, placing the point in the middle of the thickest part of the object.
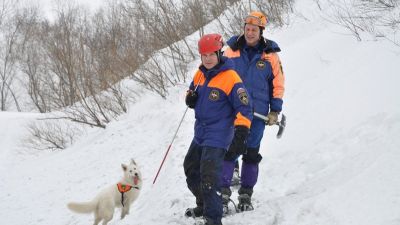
(223, 115)
(258, 64)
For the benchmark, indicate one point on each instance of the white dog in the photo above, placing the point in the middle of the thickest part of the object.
(119, 195)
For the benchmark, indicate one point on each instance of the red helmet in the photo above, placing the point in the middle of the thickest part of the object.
(210, 43)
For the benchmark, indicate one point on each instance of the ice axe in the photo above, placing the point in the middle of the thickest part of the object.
(281, 124)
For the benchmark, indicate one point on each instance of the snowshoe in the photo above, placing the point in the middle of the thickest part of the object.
(245, 203)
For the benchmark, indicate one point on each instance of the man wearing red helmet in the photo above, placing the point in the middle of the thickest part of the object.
(223, 115)
(258, 65)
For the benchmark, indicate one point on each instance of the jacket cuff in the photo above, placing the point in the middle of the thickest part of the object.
(276, 104)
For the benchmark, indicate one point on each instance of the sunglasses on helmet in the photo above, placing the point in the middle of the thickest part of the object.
(254, 21)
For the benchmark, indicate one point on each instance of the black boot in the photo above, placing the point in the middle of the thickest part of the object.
(194, 212)
(245, 199)
(226, 194)
(198, 210)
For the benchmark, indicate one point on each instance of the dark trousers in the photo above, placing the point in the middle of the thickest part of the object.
(203, 168)
(251, 159)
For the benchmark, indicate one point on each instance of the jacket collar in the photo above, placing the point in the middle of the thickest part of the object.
(239, 42)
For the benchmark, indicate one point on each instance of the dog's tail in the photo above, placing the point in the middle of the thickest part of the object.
(82, 207)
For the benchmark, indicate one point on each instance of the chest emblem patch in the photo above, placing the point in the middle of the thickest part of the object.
(214, 95)
(244, 99)
(260, 65)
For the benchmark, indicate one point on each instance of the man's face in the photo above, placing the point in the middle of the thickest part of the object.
(209, 60)
(251, 34)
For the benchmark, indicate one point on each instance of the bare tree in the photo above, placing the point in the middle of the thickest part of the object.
(275, 10)
(78, 59)
(231, 20)
(51, 135)
(196, 15)
(77, 63)
(377, 17)
(9, 26)
(32, 57)
(86, 75)
(165, 26)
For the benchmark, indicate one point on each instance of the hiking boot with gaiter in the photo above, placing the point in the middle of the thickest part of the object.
(226, 194)
(245, 199)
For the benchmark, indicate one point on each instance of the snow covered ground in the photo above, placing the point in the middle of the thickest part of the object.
(337, 163)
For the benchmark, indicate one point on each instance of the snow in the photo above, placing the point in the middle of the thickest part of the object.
(337, 162)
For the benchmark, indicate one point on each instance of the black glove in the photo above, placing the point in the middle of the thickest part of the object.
(239, 143)
(191, 98)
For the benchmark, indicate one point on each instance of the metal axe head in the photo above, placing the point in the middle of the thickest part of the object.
(282, 125)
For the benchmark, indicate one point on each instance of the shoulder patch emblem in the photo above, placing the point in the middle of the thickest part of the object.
(214, 95)
(260, 65)
(244, 99)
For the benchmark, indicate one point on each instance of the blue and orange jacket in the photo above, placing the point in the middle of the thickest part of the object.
(262, 75)
(222, 103)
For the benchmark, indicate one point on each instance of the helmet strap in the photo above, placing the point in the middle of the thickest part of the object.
(219, 54)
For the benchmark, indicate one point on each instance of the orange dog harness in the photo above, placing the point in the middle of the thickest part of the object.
(122, 188)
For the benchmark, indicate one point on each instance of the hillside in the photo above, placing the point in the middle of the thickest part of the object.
(337, 162)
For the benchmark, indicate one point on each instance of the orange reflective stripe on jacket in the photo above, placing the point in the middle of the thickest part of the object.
(199, 78)
(242, 121)
(231, 54)
(278, 81)
(225, 81)
(222, 102)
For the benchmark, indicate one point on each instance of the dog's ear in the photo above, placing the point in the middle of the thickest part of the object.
(124, 167)
(133, 162)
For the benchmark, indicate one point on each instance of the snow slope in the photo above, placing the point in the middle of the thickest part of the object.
(337, 162)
